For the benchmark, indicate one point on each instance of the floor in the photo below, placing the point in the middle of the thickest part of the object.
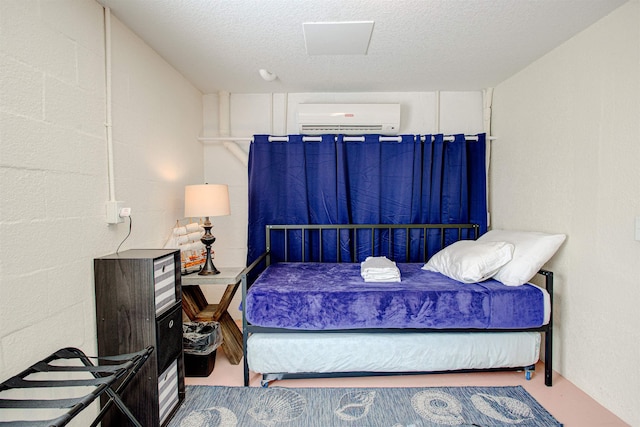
(567, 403)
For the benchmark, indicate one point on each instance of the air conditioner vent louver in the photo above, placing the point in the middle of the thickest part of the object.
(341, 128)
(349, 119)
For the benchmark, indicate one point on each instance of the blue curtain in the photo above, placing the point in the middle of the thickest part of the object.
(334, 181)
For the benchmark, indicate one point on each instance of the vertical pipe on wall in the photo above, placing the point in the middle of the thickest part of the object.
(285, 114)
(437, 118)
(224, 107)
(271, 114)
(108, 122)
(224, 127)
(487, 100)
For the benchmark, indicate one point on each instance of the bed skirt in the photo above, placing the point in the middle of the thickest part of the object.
(394, 352)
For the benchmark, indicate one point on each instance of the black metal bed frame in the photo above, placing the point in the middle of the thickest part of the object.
(264, 260)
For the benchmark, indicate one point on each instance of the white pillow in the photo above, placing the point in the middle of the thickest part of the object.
(532, 250)
(470, 261)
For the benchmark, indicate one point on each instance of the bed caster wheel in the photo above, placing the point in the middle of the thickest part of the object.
(264, 383)
(527, 375)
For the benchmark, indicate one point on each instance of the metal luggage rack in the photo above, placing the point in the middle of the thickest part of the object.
(108, 376)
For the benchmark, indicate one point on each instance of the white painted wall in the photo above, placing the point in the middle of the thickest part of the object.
(460, 112)
(53, 166)
(568, 161)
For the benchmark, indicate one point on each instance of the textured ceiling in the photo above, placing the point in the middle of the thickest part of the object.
(416, 45)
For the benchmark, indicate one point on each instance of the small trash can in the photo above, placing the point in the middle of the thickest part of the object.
(199, 342)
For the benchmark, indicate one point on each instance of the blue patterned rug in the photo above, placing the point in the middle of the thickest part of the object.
(212, 406)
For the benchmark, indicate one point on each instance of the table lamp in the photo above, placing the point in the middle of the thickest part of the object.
(206, 200)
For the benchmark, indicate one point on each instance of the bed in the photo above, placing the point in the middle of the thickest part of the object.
(308, 312)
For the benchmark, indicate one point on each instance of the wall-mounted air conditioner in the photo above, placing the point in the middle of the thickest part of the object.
(349, 119)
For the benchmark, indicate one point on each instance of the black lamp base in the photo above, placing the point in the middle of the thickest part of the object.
(208, 269)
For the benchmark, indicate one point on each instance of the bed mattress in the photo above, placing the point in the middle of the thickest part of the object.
(326, 296)
(297, 352)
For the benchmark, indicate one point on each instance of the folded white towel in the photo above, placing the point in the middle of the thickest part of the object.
(381, 280)
(193, 227)
(195, 236)
(179, 231)
(192, 246)
(377, 263)
(379, 269)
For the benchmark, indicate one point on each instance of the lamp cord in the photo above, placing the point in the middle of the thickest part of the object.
(127, 236)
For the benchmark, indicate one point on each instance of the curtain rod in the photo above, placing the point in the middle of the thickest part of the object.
(362, 138)
(319, 138)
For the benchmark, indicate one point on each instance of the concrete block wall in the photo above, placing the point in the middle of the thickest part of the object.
(53, 166)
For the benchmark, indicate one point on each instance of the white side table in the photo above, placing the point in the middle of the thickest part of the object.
(197, 308)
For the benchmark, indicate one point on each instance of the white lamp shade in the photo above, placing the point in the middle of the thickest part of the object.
(206, 200)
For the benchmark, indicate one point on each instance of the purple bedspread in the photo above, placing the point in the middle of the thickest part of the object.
(317, 296)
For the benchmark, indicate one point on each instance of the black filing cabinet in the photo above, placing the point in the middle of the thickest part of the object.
(139, 303)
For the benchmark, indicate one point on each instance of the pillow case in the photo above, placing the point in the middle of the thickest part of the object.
(532, 250)
(470, 261)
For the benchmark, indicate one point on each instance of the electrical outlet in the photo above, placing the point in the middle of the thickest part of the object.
(113, 212)
(125, 212)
